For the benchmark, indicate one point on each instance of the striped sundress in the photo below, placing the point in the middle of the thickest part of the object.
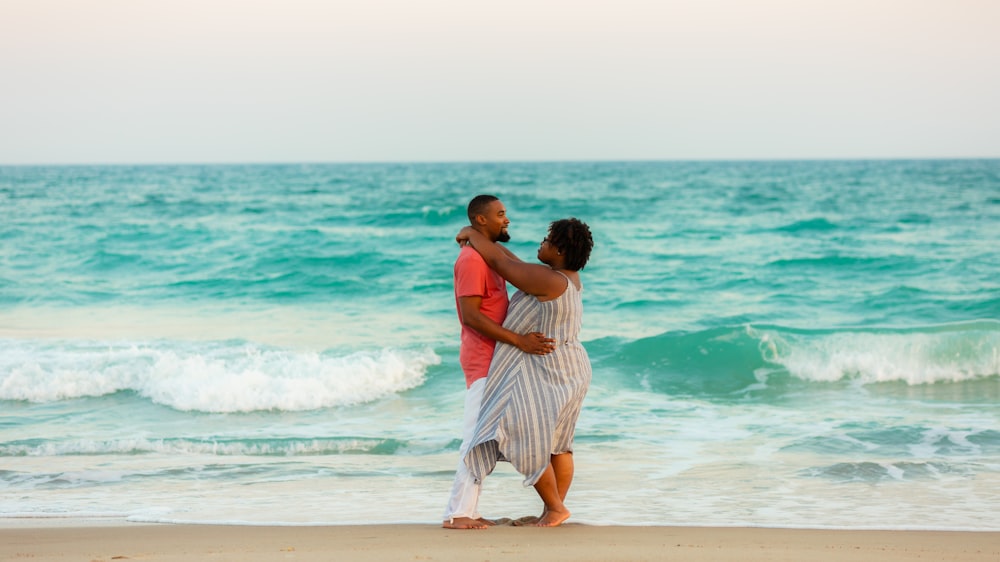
(531, 402)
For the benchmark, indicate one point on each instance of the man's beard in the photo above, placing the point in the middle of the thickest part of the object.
(503, 236)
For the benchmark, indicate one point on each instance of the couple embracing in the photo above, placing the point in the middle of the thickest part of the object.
(525, 369)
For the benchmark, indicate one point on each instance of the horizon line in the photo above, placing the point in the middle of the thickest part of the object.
(498, 161)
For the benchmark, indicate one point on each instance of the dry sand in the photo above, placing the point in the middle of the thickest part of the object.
(93, 542)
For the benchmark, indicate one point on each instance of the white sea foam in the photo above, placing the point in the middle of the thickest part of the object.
(219, 377)
(949, 354)
(206, 446)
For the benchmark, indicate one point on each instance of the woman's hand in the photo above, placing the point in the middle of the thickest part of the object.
(463, 235)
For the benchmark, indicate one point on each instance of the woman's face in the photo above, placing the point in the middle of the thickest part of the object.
(547, 252)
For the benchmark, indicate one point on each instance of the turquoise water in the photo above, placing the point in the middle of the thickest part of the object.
(774, 343)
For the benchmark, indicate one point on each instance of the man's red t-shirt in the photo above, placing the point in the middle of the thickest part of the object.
(473, 278)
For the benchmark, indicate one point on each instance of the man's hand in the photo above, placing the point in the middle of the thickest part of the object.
(535, 343)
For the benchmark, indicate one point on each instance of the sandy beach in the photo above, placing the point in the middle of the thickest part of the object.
(95, 542)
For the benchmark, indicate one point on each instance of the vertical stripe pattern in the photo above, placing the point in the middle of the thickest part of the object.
(531, 402)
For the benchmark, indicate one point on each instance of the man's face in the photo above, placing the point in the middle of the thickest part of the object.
(496, 222)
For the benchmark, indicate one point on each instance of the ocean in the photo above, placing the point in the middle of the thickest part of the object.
(783, 344)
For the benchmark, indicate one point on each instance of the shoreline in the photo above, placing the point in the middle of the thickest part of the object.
(75, 539)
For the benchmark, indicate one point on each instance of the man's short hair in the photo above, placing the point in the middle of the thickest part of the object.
(478, 206)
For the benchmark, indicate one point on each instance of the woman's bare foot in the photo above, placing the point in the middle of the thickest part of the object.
(552, 518)
(464, 523)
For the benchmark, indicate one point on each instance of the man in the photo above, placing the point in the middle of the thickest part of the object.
(481, 301)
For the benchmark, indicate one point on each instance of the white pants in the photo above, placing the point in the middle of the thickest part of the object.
(464, 499)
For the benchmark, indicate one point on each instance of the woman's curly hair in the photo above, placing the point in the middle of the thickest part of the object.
(572, 238)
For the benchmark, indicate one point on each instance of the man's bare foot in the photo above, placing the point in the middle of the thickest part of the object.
(464, 523)
(552, 518)
(487, 522)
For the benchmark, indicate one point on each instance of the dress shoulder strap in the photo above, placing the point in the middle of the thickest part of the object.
(570, 281)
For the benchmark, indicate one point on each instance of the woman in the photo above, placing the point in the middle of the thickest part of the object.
(531, 402)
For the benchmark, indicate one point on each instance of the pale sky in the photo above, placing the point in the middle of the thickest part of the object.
(225, 81)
